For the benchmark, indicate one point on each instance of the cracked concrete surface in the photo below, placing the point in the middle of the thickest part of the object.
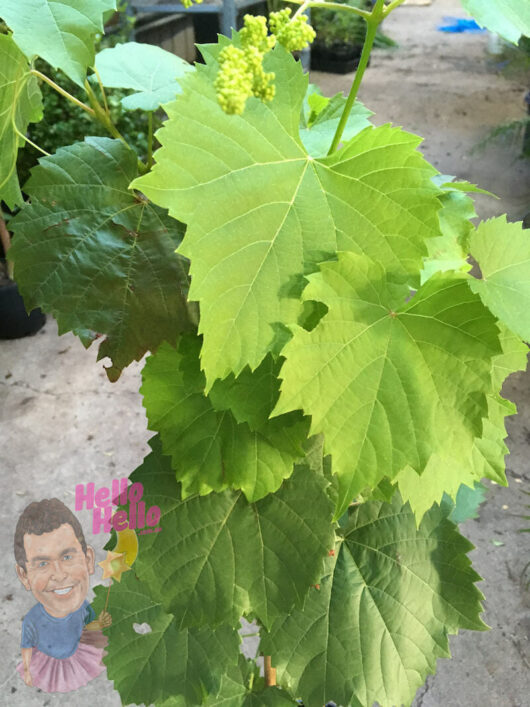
(63, 423)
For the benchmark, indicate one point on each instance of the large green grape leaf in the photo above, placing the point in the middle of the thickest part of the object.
(211, 447)
(252, 395)
(261, 211)
(20, 104)
(60, 31)
(150, 658)
(374, 629)
(502, 250)
(150, 71)
(219, 557)
(509, 18)
(445, 473)
(389, 382)
(97, 256)
(320, 118)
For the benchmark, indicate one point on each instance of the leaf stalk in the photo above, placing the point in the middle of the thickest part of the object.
(270, 672)
(102, 89)
(30, 142)
(331, 6)
(64, 93)
(102, 116)
(373, 21)
(149, 139)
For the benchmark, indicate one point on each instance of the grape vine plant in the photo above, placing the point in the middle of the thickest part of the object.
(324, 369)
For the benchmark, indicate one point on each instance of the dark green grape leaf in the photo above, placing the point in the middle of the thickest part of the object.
(374, 628)
(219, 557)
(241, 686)
(98, 257)
(252, 395)
(61, 32)
(212, 447)
(149, 658)
(20, 104)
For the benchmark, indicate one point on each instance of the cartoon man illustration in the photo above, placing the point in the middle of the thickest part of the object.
(62, 643)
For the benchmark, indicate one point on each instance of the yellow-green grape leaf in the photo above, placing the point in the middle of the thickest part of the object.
(502, 250)
(509, 18)
(446, 472)
(391, 380)
(61, 32)
(448, 251)
(149, 658)
(211, 447)
(261, 212)
(20, 104)
(219, 557)
(150, 71)
(373, 630)
(98, 257)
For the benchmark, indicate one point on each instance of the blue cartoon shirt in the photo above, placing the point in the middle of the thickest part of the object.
(57, 637)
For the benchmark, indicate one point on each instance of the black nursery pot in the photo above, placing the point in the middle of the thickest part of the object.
(337, 59)
(15, 322)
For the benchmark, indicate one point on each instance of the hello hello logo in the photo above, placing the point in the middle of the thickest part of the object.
(102, 501)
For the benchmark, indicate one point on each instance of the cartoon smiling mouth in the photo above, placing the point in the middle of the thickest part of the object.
(65, 590)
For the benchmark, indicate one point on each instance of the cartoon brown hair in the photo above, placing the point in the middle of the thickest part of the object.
(43, 517)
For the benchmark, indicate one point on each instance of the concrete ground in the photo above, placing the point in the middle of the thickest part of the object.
(62, 423)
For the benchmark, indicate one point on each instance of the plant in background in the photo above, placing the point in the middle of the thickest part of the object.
(340, 37)
(514, 62)
(337, 29)
(325, 372)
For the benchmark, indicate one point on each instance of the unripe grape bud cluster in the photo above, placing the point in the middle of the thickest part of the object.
(241, 73)
(294, 34)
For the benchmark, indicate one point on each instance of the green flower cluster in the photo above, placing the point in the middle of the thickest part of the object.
(295, 34)
(241, 73)
(189, 3)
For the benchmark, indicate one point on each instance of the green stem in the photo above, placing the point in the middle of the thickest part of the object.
(388, 9)
(63, 92)
(149, 139)
(376, 17)
(333, 6)
(102, 116)
(303, 7)
(105, 120)
(102, 89)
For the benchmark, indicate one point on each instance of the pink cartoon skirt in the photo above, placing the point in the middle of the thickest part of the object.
(67, 674)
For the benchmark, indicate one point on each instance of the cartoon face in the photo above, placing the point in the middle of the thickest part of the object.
(57, 570)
